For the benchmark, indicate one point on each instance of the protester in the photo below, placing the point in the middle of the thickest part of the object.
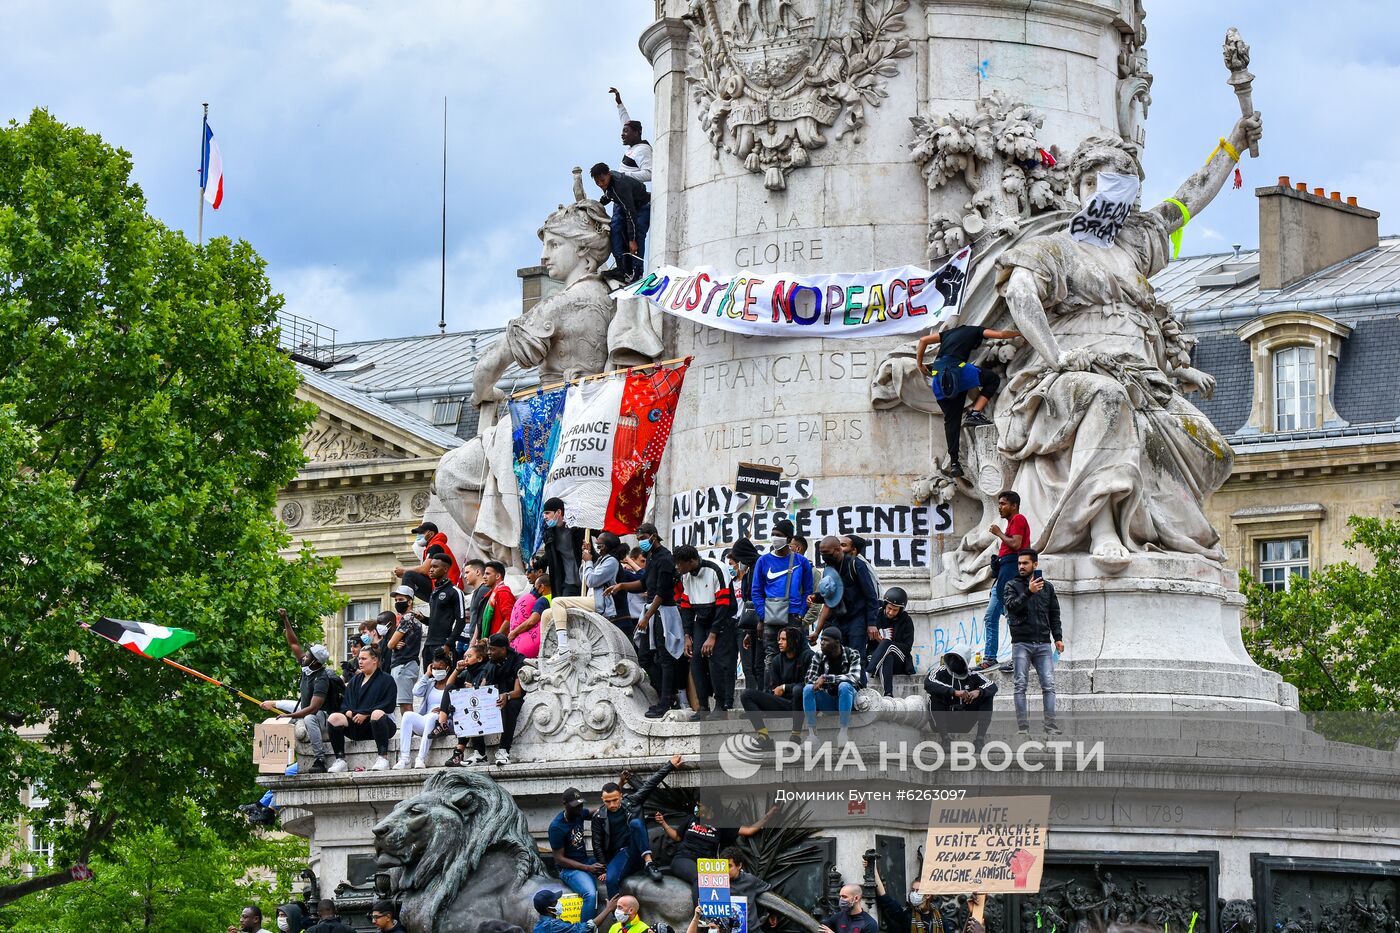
(1033, 618)
(741, 559)
(369, 637)
(526, 634)
(429, 542)
(602, 563)
(468, 672)
(500, 601)
(953, 377)
(620, 839)
(313, 703)
(385, 917)
(427, 718)
(1014, 539)
(784, 682)
(475, 593)
(834, 674)
(799, 544)
(711, 640)
(503, 665)
(700, 837)
(367, 712)
(547, 903)
(576, 869)
(856, 546)
(743, 883)
(405, 645)
(631, 215)
(636, 152)
(856, 613)
(959, 696)
(250, 921)
(894, 640)
(562, 548)
(918, 915)
(291, 918)
(851, 915)
(446, 608)
(328, 921)
(660, 625)
(782, 581)
(625, 913)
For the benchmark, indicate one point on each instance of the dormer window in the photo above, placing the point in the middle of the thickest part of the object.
(1295, 368)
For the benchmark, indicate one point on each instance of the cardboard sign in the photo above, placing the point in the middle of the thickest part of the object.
(274, 745)
(474, 712)
(759, 479)
(1107, 211)
(571, 908)
(712, 883)
(987, 845)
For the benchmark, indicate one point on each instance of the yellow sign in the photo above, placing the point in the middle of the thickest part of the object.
(991, 845)
(571, 908)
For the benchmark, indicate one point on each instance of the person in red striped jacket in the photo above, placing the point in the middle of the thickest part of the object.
(712, 638)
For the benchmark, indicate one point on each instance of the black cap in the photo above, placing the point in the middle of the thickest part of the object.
(784, 528)
(645, 529)
(833, 633)
(498, 640)
(572, 797)
(744, 552)
(425, 526)
(553, 504)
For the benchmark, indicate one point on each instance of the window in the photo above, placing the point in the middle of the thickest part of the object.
(447, 411)
(358, 611)
(1295, 389)
(40, 848)
(1282, 559)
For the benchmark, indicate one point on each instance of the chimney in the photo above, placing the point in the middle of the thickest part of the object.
(535, 286)
(1301, 233)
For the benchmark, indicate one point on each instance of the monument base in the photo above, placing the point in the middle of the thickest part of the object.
(1164, 634)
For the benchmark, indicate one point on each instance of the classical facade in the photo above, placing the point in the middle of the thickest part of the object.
(1301, 336)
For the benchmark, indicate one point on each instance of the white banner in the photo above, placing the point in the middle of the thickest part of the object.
(863, 304)
(582, 471)
(474, 712)
(1100, 220)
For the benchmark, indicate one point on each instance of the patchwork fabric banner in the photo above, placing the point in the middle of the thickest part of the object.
(534, 425)
(582, 471)
(643, 427)
(866, 304)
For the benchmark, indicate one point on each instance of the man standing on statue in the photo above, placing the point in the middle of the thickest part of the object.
(636, 152)
(1016, 537)
(631, 214)
(954, 376)
(1033, 618)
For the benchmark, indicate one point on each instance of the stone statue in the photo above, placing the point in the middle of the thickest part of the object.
(564, 336)
(460, 853)
(1108, 453)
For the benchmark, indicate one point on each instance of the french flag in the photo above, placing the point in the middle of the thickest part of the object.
(211, 170)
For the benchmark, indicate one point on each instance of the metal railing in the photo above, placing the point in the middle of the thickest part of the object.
(307, 341)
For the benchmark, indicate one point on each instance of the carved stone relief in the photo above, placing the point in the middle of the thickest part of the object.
(1134, 80)
(356, 508)
(769, 75)
(292, 513)
(326, 443)
(420, 503)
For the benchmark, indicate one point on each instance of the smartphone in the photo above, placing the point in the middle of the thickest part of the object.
(1035, 574)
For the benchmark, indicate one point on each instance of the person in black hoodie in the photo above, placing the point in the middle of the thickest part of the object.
(291, 918)
(563, 549)
(959, 697)
(366, 712)
(327, 921)
(1033, 618)
(786, 676)
(859, 608)
(894, 643)
(620, 839)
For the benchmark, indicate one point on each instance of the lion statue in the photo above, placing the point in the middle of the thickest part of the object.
(461, 854)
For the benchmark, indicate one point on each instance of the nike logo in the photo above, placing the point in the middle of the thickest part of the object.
(778, 576)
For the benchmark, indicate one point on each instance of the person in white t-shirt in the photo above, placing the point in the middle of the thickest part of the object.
(427, 718)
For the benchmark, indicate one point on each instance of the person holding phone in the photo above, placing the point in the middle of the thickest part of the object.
(1033, 618)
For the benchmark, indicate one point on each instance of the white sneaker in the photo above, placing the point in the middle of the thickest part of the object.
(843, 738)
(810, 737)
(420, 763)
(338, 766)
(502, 756)
(401, 764)
(380, 764)
(475, 758)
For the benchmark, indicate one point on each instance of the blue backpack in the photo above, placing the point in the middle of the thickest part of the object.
(951, 377)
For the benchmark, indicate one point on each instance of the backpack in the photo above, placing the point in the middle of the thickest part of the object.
(335, 692)
(951, 377)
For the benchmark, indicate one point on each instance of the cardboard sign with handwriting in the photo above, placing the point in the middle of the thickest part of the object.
(988, 845)
(274, 745)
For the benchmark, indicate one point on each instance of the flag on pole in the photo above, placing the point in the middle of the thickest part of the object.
(211, 170)
(145, 638)
(644, 425)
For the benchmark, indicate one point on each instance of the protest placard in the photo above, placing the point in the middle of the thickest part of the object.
(712, 883)
(474, 712)
(571, 908)
(274, 745)
(759, 479)
(991, 845)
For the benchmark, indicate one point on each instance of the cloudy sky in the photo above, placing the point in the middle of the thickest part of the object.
(329, 116)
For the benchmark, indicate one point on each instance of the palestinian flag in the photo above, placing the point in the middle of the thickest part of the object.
(145, 638)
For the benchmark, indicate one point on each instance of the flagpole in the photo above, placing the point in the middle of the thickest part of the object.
(442, 280)
(203, 141)
(190, 670)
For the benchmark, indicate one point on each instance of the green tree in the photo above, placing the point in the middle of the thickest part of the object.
(157, 883)
(147, 420)
(1336, 635)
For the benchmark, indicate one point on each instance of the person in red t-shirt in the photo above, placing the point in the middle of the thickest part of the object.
(499, 604)
(429, 540)
(1016, 537)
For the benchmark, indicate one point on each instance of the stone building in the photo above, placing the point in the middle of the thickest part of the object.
(1301, 335)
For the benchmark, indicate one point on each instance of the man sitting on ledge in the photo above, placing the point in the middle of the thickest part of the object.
(833, 676)
(620, 839)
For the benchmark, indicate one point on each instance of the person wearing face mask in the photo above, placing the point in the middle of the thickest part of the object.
(291, 918)
(918, 915)
(547, 904)
(782, 581)
(851, 915)
(700, 836)
(625, 915)
(427, 718)
(857, 612)
(740, 560)
(602, 561)
(404, 645)
(313, 694)
(562, 547)
(660, 627)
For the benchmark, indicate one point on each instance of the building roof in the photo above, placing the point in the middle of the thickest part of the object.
(392, 414)
(435, 364)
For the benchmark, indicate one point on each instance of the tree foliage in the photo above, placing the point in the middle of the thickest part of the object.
(147, 420)
(1336, 635)
(155, 883)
